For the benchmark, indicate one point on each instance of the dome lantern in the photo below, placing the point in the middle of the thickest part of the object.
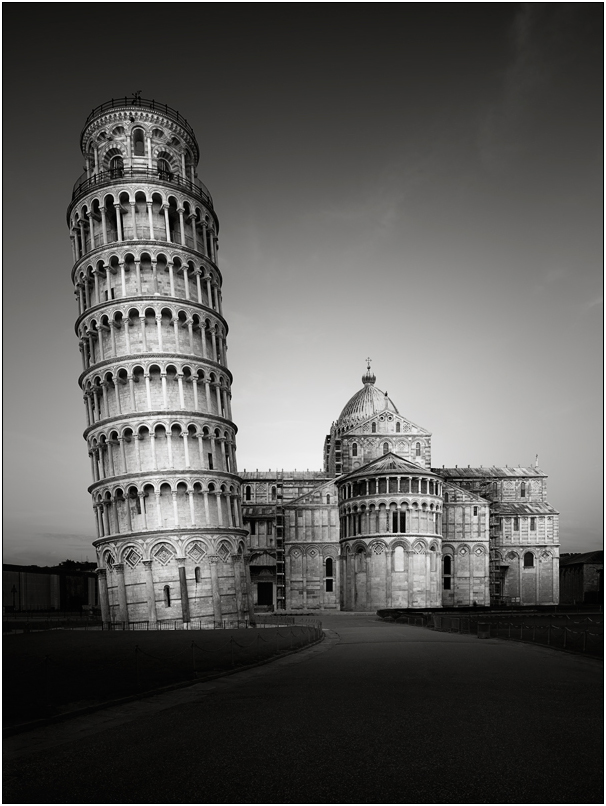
(368, 377)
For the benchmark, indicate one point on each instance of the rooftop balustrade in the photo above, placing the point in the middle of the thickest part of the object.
(86, 183)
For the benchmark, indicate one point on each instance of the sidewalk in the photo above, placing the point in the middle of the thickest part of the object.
(379, 713)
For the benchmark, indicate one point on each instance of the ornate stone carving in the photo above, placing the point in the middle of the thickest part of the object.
(196, 552)
(132, 557)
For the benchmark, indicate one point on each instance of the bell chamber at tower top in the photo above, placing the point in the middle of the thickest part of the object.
(140, 182)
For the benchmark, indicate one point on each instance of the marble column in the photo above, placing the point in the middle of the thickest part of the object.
(103, 595)
(216, 592)
(183, 588)
(152, 615)
(122, 605)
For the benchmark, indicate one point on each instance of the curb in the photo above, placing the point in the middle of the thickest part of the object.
(12, 730)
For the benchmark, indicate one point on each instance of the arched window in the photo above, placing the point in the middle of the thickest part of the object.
(418, 449)
(529, 560)
(328, 575)
(328, 499)
(138, 143)
(397, 428)
(247, 493)
(385, 448)
(373, 428)
(273, 493)
(523, 490)
(354, 449)
(116, 167)
(164, 169)
(445, 498)
(198, 575)
(167, 595)
(447, 566)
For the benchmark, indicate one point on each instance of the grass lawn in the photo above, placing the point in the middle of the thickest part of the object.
(49, 672)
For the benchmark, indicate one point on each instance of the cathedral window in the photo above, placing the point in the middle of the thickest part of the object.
(198, 575)
(424, 485)
(354, 449)
(475, 511)
(533, 524)
(373, 428)
(210, 461)
(273, 493)
(404, 485)
(270, 527)
(414, 488)
(445, 498)
(431, 488)
(372, 487)
(402, 520)
(523, 490)
(385, 448)
(382, 486)
(516, 524)
(397, 428)
(529, 560)
(447, 572)
(393, 485)
(247, 493)
(417, 449)
(328, 499)
(167, 595)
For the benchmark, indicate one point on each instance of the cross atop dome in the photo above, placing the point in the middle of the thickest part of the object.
(368, 377)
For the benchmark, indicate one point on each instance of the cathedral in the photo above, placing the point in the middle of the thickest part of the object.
(380, 527)
(182, 535)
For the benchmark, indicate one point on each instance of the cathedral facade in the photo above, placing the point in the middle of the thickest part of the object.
(380, 527)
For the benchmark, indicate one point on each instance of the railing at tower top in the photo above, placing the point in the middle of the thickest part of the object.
(85, 183)
(164, 109)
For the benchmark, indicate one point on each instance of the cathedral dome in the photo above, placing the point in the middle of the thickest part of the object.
(367, 401)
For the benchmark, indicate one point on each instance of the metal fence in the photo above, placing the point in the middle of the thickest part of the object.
(585, 635)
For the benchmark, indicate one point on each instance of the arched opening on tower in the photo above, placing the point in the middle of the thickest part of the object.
(138, 142)
(116, 167)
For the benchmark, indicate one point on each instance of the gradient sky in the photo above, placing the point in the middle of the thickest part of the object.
(421, 184)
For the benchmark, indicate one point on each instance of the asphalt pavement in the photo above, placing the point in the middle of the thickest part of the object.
(377, 713)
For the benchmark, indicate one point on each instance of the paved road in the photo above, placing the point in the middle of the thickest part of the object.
(378, 713)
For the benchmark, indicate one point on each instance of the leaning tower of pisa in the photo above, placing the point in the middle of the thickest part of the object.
(155, 382)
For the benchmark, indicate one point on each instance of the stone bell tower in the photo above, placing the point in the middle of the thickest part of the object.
(157, 390)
